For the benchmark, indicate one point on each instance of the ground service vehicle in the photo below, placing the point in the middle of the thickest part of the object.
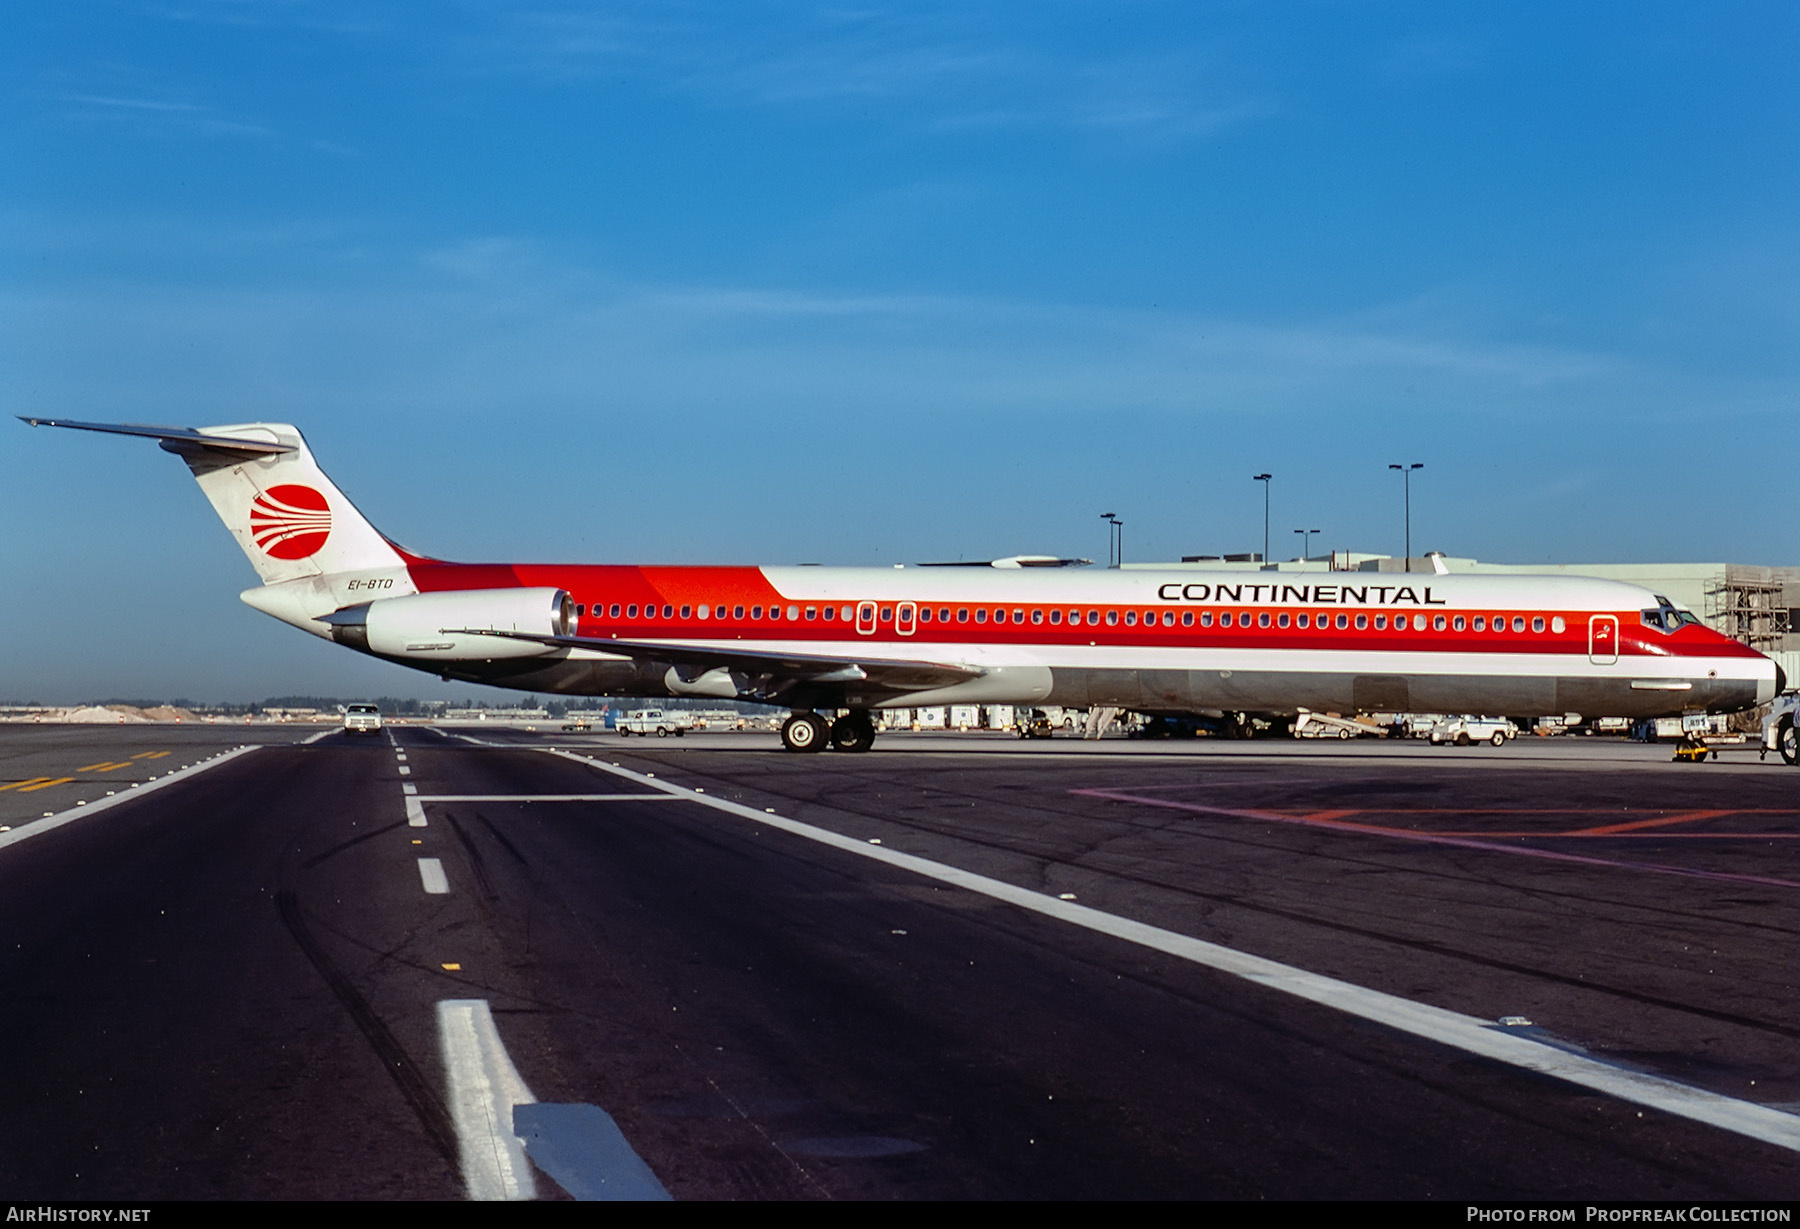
(1466, 730)
(1224, 646)
(362, 719)
(653, 721)
(1778, 728)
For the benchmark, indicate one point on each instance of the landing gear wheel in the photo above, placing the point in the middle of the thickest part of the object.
(1789, 744)
(804, 732)
(853, 732)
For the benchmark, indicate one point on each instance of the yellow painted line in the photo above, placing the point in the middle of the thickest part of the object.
(452, 967)
(45, 783)
(105, 766)
(149, 755)
(28, 781)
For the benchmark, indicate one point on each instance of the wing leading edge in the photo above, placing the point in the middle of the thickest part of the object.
(763, 674)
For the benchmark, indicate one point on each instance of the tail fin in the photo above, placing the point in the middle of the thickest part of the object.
(290, 519)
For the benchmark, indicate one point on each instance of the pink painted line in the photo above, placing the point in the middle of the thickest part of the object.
(1430, 838)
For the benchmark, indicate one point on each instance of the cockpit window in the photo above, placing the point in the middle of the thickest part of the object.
(1666, 618)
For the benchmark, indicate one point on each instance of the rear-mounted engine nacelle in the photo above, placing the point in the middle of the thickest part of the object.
(447, 626)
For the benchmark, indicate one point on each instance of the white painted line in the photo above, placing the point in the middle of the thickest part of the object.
(310, 739)
(415, 812)
(407, 787)
(431, 874)
(405, 771)
(1451, 1028)
(80, 809)
(484, 1088)
(548, 798)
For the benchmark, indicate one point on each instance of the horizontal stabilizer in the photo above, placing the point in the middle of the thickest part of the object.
(176, 439)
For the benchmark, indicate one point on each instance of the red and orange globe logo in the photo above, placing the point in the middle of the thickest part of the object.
(290, 522)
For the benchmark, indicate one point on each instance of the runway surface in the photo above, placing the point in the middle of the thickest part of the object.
(950, 968)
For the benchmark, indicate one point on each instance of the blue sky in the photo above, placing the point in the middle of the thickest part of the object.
(865, 284)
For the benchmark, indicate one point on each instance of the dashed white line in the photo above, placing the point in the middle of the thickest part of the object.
(431, 874)
(1451, 1028)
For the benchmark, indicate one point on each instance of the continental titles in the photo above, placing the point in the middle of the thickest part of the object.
(1301, 595)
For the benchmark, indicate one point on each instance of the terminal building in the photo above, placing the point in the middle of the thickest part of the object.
(1749, 602)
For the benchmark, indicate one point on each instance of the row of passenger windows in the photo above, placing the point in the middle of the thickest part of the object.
(1322, 620)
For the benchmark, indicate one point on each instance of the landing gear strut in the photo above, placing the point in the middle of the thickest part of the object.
(854, 731)
(804, 732)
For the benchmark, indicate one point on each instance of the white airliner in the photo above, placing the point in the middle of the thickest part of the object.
(859, 639)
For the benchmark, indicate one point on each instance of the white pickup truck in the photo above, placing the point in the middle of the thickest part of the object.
(655, 721)
(1465, 730)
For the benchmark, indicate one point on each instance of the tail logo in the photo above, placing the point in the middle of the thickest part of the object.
(290, 521)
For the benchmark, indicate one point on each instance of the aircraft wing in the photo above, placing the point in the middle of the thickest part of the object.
(773, 672)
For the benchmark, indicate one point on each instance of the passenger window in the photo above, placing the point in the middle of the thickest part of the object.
(1437, 623)
(756, 612)
(1224, 618)
(943, 614)
(1262, 620)
(1206, 618)
(924, 614)
(1381, 623)
(1055, 617)
(1362, 622)
(1303, 620)
(1112, 618)
(1480, 624)
(631, 610)
(1037, 616)
(980, 615)
(829, 613)
(1130, 618)
(1518, 623)
(1281, 620)
(812, 612)
(668, 612)
(1093, 617)
(1343, 621)
(1558, 626)
(1187, 618)
(687, 612)
(1537, 623)
(1168, 618)
(1458, 623)
(615, 610)
(887, 614)
(962, 615)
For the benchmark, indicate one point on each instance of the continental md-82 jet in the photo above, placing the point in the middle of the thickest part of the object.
(853, 640)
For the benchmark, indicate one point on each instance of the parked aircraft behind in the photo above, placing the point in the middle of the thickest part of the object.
(859, 639)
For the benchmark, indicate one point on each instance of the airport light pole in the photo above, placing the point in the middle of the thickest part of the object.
(1406, 475)
(1115, 539)
(1264, 479)
(1305, 543)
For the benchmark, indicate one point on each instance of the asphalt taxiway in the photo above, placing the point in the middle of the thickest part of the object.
(951, 967)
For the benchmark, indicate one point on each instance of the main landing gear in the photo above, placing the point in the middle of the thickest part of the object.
(854, 731)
